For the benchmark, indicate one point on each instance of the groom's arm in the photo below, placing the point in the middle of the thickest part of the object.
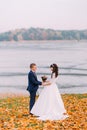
(33, 80)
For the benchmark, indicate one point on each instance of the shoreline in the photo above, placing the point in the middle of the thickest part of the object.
(14, 92)
(44, 41)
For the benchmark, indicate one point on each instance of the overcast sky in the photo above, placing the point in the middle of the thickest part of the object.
(55, 14)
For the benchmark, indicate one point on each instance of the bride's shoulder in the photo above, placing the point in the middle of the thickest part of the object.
(53, 75)
(54, 78)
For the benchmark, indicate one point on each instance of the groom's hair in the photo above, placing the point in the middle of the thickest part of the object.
(32, 65)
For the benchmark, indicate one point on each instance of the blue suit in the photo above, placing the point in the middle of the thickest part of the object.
(33, 85)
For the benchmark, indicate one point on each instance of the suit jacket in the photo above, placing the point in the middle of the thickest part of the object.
(33, 82)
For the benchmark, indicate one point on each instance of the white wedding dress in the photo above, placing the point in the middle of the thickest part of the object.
(49, 105)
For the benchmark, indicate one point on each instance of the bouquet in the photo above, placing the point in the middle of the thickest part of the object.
(44, 78)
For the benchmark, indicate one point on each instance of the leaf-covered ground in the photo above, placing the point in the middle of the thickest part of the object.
(14, 114)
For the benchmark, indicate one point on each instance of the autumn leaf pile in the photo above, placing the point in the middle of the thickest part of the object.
(14, 114)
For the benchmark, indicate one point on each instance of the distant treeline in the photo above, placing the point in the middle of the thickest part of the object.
(43, 34)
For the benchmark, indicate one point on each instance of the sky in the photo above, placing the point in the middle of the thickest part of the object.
(54, 14)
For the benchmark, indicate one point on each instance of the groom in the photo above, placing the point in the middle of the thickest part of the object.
(33, 84)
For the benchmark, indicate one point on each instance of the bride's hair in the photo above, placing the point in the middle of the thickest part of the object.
(55, 70)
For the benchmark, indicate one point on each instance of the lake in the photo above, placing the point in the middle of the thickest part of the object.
(71, 57)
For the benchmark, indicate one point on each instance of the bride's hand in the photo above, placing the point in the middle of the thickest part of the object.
(47, 83)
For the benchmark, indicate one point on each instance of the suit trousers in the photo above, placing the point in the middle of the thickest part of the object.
(32, 98)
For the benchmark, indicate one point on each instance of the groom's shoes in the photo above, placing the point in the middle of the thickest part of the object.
(31, 114)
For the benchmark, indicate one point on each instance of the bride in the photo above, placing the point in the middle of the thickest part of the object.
(49, 105)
